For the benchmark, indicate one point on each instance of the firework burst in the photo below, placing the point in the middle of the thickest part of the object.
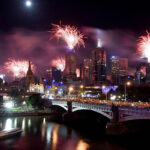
(144, 45)
(69, 34)
(17, 67)
(59, 63)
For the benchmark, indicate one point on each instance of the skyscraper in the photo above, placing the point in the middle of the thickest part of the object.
(87, 72)
(119, 69)
(99, 66)
(70, 69)
(123, 67)
(115, 69)
(148, 73)
(56, 75)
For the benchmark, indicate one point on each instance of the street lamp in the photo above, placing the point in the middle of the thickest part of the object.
(70, 90)
(103, 87)
(125, 89)
(81, 86)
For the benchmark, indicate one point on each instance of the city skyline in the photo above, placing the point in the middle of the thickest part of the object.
(40, 45)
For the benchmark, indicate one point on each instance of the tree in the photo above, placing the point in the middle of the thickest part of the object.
(35, 101)
(13, 93)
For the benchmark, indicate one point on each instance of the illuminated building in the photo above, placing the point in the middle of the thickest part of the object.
(99, 66)
(70, 69)
(115, 69)
(142, 75)
(87, 72)
(56, 75)
(29, 76)
(2, 76)
(48, 76)
(123, 67)
(119, 69)
(138, 77)
(147, 72)
(30, 82)
(37, 88)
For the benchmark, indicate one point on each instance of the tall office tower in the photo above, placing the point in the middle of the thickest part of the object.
(123, 67)
(115, 69)
(138, 77)
(119, 69)
(87, 72)
(70, 69)
(99, 66)
(48, 75)
(145, 64)
(148, 73)
(56, 75)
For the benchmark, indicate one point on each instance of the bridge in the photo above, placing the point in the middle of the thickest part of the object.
(116, 114)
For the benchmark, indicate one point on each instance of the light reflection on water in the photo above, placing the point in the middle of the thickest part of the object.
(40, 133)
(8, 124)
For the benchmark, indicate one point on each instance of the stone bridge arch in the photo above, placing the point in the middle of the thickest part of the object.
(97, 111)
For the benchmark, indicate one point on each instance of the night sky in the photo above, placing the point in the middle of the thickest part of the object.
(23, 30)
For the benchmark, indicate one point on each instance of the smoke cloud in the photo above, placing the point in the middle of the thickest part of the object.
(37, 46)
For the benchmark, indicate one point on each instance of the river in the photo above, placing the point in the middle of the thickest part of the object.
(40, 133)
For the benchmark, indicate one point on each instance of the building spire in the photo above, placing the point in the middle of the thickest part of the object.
(29, 68)
(29, 75)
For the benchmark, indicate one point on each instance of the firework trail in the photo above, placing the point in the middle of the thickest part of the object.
(59, 63)
(17, 67)
(144, 45)
(69, 34)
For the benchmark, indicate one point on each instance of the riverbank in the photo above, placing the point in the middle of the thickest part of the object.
(27, 113)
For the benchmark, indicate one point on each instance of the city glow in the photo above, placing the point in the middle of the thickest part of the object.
(69, 34)
(17, 67)
(144, 45)
(59, 63)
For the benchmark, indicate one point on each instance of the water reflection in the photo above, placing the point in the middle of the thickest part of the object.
(23, 124)
(82, 145)
(15, 123)
(8, 124)
(41, 133)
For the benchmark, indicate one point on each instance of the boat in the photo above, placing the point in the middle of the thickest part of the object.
(10, 133)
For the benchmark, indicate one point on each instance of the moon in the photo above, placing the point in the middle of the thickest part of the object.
(28, 3)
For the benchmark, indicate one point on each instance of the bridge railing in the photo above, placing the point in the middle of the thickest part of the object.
(109, 102)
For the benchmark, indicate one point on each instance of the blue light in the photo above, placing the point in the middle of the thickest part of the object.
(108, 88)
(61, 83)
(53, 81)
(44, 80)
(129, 77)
(48, 86)
(56, 84)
